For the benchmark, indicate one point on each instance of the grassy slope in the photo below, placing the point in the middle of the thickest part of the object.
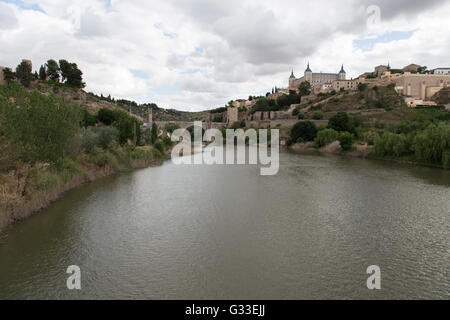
(29, 189)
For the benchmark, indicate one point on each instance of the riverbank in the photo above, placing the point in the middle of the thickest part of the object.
(362, 152)
(28, 189)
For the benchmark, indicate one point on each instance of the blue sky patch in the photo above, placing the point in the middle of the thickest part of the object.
(167, 90)
(140, 74)
(23, 5)
(368, 43)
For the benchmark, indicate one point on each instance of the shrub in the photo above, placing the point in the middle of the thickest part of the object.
(325, 137)
(238, 125)
(159, 146)
(304, 131)
(318, 115)
(301, 116)
(340, 122)
(96, 138)
(362, 86)
(36, 126)
(346, 140)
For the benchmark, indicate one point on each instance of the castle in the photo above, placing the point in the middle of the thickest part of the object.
(323, 79)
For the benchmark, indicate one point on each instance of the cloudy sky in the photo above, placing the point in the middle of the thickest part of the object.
(199, 54)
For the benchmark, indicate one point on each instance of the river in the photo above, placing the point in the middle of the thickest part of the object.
(225, 232)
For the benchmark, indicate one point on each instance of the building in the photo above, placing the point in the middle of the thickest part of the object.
(441, 71)
(325, 79)
(413, 68)
(232, 115)
(380, 70)
(346, 84)
(421, 86)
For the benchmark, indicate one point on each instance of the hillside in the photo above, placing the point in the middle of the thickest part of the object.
(93, 103)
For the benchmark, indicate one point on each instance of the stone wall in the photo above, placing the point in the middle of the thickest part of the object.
(421, 86)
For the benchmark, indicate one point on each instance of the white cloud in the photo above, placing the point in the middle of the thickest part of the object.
(209, 52)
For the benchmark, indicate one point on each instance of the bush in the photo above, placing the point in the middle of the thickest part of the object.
(340, 122)
(217, 118)
(346, 140)
(431, 144)
(318, 115)
(36, 126)
(301, 116)
(96, 138)
(238, 125)
(159, 146)
(325, 137)
(304, 131)
(362, 87)
(296, 112)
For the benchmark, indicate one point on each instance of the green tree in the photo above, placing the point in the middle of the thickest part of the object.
(304, 131)
(23, 73)
(325, 137)
(52, 70)
(154, 133)
(340, 122)
(66, 69)
(106, 116)
(42, 73)
(304, 88)
(362, 87)
(39, 127)
(72, 75)
(346, 140)
(318, 115)
(8, 75)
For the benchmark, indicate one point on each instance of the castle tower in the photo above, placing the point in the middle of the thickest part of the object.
(150, 116)
(342, 74)
(308, 74)
(291, 79)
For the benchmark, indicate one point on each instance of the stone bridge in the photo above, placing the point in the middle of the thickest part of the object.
(187, 124)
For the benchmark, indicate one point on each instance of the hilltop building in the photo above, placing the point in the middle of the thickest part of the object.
(441, 71)
(323, 79)
(421, 86)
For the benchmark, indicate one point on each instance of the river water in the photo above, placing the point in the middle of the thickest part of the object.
(225, 232)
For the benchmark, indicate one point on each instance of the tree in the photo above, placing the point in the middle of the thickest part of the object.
(106, 116)
(304, 131)
(346, 140)
(23, 73)
(8, 75)
(362, 87)
(42, 73)
(304, 88)
(318, 115)
(340, 122)
(52, 70)
(42, 128)
(66, 69)
(76, 77)
(154, 133)
(325, 137)
(72, 75)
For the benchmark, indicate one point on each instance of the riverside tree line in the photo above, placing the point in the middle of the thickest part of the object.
(424, 138)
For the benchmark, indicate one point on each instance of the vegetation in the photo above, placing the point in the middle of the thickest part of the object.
(325, 137)
(430, 145)
(304, 131)
(346, 140)
(318, 115)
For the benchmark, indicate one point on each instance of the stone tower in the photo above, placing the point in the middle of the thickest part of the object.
(308, 74)
(291, 79)
(150, 116)
(342, 74)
